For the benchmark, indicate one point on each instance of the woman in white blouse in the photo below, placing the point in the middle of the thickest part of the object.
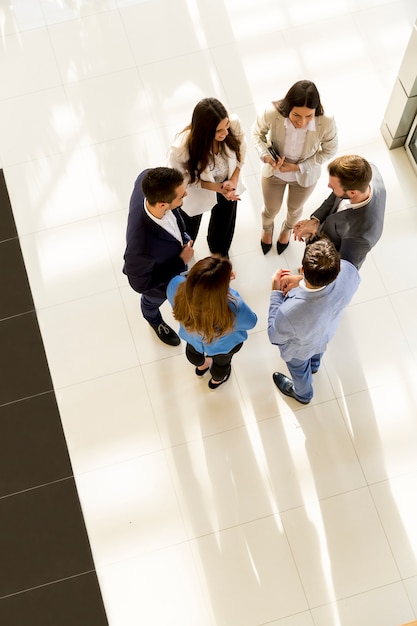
(210, 152)
(293, 138)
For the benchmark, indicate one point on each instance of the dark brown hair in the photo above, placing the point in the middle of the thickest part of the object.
(207, 115)
(160, 184)
(303, 93)
(201, 303)
(321, 261)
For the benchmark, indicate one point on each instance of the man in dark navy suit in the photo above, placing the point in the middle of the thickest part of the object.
(158, 248)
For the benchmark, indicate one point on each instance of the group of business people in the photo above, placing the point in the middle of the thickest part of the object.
(293, 137)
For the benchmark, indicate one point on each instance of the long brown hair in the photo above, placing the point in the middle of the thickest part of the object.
(201, 303)
(207, 115)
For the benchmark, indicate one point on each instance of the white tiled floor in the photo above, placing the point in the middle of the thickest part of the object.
(239, 507)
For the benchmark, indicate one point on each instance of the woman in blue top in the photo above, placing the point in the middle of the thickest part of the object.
(213, 317)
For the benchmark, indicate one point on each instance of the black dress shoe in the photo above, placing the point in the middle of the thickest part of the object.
(282, 246)
(213, 385)
(265, 247)
(286, 386)
(166, 334)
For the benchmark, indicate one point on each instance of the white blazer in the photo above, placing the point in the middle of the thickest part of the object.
(198, 199)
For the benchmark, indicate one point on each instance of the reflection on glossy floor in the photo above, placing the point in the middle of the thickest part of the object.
(239, 507)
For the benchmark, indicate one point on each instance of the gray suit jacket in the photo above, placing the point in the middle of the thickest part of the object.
(354, 231)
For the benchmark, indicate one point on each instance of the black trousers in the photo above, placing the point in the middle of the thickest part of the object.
(221, 362)
(221, 226)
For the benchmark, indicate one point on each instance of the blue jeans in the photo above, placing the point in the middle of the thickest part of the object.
(301, 374)
(150, 308)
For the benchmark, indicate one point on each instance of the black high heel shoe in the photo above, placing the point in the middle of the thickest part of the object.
(283, 246)
(267, 246)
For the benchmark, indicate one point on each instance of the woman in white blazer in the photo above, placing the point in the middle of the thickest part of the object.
(293, 138)
(210, 152)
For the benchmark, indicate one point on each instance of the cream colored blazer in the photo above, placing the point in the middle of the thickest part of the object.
(320, 145)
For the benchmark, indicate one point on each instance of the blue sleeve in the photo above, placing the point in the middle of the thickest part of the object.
(245, 317)
(172, 288)
(277, 319)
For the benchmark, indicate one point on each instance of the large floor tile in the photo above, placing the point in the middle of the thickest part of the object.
(51, 191)
(114, 231)
(340, 547)
(68, 602)
(108, 420)
(411, 588)
(383, 426)
(161, 587)
(109, 106)
(130, 509)
(21, 16)
(55, 12)
(390, 29)
(102, 46)
(359, 357)
(254, 371)
(396, 501)
(68, 263)
(405, 304)
(114, 167)
(43, 537)
(385, 606)
(31, 64)
(300, 619)
(16, 296)
(248, 574)
(23, 363)
(220, 481)
(171, 97)
(38, 124)
(185, 408)
(149, 348)
(87, 338)
(308, 458)
(397, 250)
(136, 20)
(32, 432)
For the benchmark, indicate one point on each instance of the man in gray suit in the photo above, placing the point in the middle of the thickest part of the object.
(353, 215)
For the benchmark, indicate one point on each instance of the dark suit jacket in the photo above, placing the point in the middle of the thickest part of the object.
(152, 255)
(354, 231)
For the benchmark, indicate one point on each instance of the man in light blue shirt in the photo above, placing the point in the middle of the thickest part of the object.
(304, 313)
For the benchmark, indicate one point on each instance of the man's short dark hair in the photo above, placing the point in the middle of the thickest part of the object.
(321, 261)
(160, 184)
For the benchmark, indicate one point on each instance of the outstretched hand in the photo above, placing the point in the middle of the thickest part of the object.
(305, 228)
